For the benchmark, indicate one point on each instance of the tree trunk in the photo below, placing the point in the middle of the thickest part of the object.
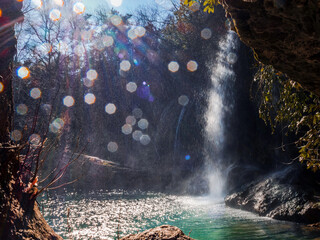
(20, 217)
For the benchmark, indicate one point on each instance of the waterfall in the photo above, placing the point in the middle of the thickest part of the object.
(219, 103)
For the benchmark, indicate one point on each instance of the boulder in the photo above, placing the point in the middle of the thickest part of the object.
(279, 196)
(165, 232)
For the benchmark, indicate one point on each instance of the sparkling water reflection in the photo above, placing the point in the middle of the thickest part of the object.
(105, 215)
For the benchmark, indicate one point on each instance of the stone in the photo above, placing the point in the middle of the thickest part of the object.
(285, 34)
(279, 196)
(165, 232)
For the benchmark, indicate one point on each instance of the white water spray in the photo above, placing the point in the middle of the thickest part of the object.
(222, 77)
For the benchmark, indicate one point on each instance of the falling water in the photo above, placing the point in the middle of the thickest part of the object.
(222, 77)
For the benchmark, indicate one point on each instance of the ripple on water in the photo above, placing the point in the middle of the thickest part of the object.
(104, 215)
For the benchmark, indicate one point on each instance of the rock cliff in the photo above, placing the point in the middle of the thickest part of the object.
(283, 33)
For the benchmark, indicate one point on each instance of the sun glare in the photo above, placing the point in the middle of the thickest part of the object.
(116, 3)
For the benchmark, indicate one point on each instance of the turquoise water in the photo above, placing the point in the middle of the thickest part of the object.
(107, 215)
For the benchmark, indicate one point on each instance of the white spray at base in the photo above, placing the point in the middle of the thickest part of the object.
(222, 78)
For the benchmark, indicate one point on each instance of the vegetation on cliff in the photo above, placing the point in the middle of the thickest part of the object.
(286, 104)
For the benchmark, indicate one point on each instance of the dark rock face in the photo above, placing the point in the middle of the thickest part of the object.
(163, 232)
(279, 196)
(285, 34)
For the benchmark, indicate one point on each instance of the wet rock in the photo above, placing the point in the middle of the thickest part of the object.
(285, 34)
(279, 196)
(165, 232)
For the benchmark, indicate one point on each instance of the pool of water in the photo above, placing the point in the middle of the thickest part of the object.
(109, 215)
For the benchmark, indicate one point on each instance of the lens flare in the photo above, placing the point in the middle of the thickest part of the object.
(90, 98)
(16, 135)
(131, 120)
(1, 87)
(22, 109)
(110, 108)
(35, 93)
(44, 48)
(140, 31)
(206, 33)
(116, 3)
(173, 66)
(92, 75)
(68, 101)
(56, 125)
(79, 8)
(192, 66)
(145, 139)
(116, 20)
(143, 124)
(55, 15)
(37, 3)
(23, 72)
(136, 135)
(107, 41)
(131, 87)
(126, 129)
(60, 3)
(34, 139)
(187, 157)
(131, 34)
(125, 65)
(112, 147)
(88, 83)
(183, 100)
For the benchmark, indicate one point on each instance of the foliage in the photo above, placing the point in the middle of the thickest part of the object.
(285, 102)
(209, 5)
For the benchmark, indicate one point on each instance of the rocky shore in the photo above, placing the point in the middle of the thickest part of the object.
(284, 195)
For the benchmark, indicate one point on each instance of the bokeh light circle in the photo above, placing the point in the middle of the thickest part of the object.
(16, 135)
(206, 33)
(55, 15)
(131, 120)
(192, 66)
(131, 87)
(112, 147)
(173, 66)
(22, 109)
(90, 98)
(56, 125)
(183, 100)
(35, 93)
(34, 139)
(126, 129)
(23, 72)
(110, 108)
(136, 135)
(68, 101)
(79, 8)
(145, 139)
(125, 65)
(143, 124)
(92, 75)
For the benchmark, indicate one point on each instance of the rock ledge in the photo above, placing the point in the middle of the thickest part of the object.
(164, 232)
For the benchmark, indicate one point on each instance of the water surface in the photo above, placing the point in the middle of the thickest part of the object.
(108, 215)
